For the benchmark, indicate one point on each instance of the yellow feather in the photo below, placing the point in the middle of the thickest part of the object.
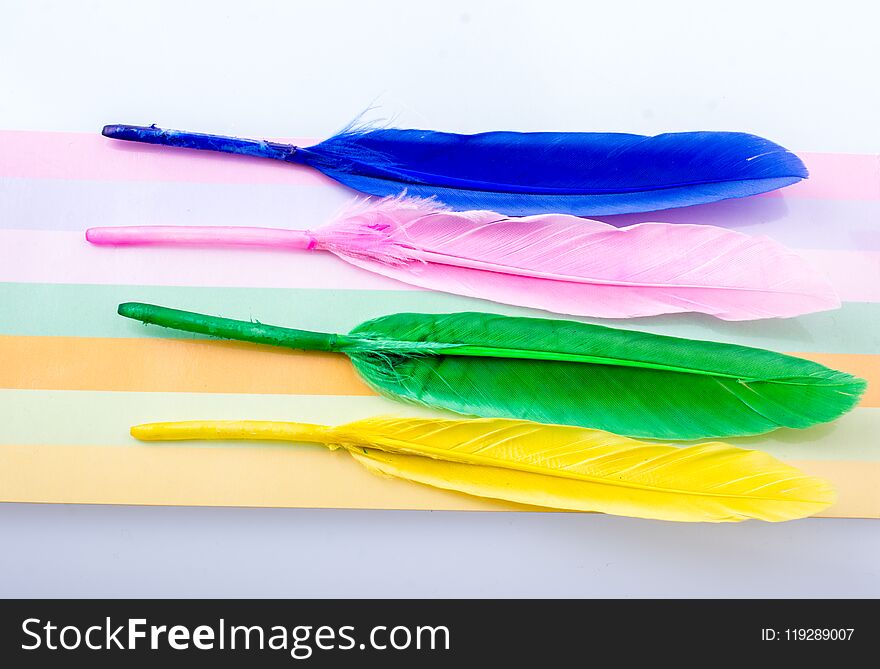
(553, 466)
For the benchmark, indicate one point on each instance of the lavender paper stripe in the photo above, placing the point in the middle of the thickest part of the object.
(45, 204)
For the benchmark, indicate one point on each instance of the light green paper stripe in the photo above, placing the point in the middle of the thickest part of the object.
(90, 311)
(101, 418)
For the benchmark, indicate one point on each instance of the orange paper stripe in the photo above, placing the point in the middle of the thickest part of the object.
(210, 366)
(172, 365)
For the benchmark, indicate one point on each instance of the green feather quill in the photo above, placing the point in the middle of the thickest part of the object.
(629, 383)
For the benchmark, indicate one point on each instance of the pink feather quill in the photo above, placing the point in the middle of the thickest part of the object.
(554, 262)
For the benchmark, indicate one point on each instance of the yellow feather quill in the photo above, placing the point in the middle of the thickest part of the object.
(552, 466)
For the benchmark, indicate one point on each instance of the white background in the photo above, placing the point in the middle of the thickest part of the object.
(804, 74)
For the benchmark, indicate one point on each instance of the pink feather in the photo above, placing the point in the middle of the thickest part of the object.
(554, 262)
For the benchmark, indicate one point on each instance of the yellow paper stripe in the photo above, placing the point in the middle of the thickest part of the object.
(246, 475)
(283, 476)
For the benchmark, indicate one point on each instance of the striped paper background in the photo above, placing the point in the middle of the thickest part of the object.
(74, 376)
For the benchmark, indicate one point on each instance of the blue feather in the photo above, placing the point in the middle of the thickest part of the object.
(529, 173)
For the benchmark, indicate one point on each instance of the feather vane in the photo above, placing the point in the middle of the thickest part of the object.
(554, 262)
(562, 372)
(579, 173)
(551, 466)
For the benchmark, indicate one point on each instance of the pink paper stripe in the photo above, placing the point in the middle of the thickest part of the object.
(39, 256)
(60, 155)
(836, 176)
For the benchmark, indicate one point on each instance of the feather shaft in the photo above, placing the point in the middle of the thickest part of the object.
(458, 261)
(197, 140)
(200, 236)
(228, 328)
(262, 430)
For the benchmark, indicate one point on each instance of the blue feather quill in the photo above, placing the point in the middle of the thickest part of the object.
(585, 174)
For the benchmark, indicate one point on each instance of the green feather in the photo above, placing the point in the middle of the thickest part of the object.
(629, 383)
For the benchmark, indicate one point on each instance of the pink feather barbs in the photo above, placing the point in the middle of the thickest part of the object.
(553, 262)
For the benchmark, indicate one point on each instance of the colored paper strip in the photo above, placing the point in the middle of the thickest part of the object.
(283, 476)
(102, 418)
(32, 309)
(55, 204)
(196, 365)
(35, 256)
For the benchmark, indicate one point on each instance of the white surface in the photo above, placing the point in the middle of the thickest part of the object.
(199, 552)
(801, 73)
